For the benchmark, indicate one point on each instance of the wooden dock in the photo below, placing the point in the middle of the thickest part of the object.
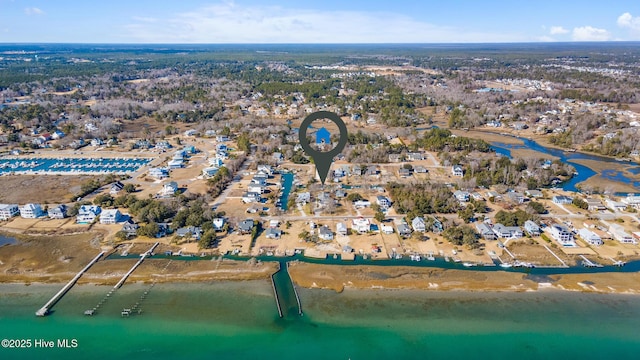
(135, 266)
(43, 311)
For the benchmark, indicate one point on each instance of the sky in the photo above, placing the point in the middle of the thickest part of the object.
(328, 21)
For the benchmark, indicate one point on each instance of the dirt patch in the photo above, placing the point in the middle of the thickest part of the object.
(54, 189)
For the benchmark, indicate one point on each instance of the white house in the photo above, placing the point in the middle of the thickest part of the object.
(169, 189)
(507, 231)
(462, 196)
(325, 233)
(361, 225)
(31, 211)
(457, 170)
(218, 224)
(485, 231)
(562, 200)
(361, 204)
(615, 205)
(620, 234)
(590, 237)
(562, 235)
(341, 229)
(7, 211)
(110, 216)
(387, 229)
(159, 173)
(255, 188)
(418, 224)
(633, 201)
(87, 214)
(57, 212)
(532, 228)
(383, 201)
(250, 197)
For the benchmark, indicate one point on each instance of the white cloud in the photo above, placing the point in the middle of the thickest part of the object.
(234, 23)
(589, 33)
(33, 11)
(626, 20)
(558, 30)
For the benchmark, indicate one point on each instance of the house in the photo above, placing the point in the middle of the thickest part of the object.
(562, 200)
(216, 162)
(57, 212)
(415, 156)
(418, 224)
(462, 196)
(594, 204)
(260, 179)
(278, 157)
(534, 193)
(477, 196)
(96, 142)
(340, 193)
(502, 231)
(633, 201)
(159, 173)
(273, 233)
(209, 172)
(515, 197)
(387, 229)
(371, 170)
(265, 169)
(404, 230)
(383, 201)
(218, 223)
(194, 232)
(532, 228)
(361, 225)
(169, 189)
(222, 138)
(359, 204)
(250, 197)
(87, 214)
(394, 157)
(190, 132)
(485, 231)
(437, 226)
(303, 198)
(255, 188)
(404, 172)
(116, 187)
(562, 235)
(590, 237)
(618, 233)
(7, 211)
(31, 211)
(110, 216)
(341, 229)
(615, 205)
(419, 169)
(457, 171)
(245, 226)
(175, 163)
(325, 233)
(493, 194)
(130, 228)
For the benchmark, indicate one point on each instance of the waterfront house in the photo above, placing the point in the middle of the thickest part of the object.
(110, 216)
(562, 235)
(531, 228)
(255, 188)
(130, 228)
(193, 232)
(260, 179)
(462, 196)
(250, 197)
(303, 198)
(31, 211)
(590, 237)
(502, 231)
(383, 201)
(615, 205)
(562, 200)
(245, 226)
(457, 171)
(618, 233)
(485, 231)
(57, 212)
(265, 169)
(360, 225)
(325, 233)
(404, 230)
(116, 187)
(7, 211)
(87, 214)
(387, 229)
(418, 224)
(633, 201)
(169, 189)
(273, 233)
(341, 229)
(595, 204)
(218, 223)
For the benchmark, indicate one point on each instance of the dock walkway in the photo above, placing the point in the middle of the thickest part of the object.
(43, 311)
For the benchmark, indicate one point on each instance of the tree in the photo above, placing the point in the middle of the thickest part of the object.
(243, 143)
(149, 230)
(207, 240)
(354, 197)
(536, 207)
(379, 216)
(579, 203)
(461, 235)
(467, 214)
(121, 235)
(303, 235)
(129, 188)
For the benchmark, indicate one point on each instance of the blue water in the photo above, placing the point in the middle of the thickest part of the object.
(584, 172)
(7, 241)
(74, 165)
(287, 184)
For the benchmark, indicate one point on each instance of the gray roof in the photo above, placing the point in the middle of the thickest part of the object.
(246, 225)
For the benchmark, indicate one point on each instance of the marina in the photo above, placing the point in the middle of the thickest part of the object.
(71, 166)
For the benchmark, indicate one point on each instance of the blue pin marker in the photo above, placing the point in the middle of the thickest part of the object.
(323, 159)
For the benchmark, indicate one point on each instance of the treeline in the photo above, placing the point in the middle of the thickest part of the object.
(438, 139)
(422, 198)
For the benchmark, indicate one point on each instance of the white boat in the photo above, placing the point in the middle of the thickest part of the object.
(506, 265)
(468, 264)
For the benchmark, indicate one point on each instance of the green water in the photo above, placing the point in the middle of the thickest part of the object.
(239, 320)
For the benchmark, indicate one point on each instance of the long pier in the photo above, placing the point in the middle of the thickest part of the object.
(556, 256)
(295, 291)
(135, 266)
(43, 311)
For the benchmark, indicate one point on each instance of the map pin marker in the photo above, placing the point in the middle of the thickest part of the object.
(323, 159)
